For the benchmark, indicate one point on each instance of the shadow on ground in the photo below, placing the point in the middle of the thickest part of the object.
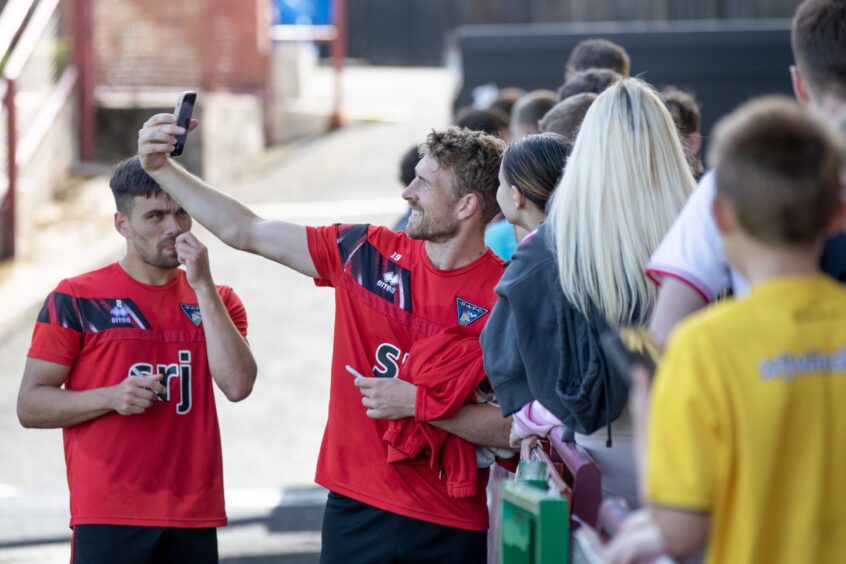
(283, 519)
(286, 519)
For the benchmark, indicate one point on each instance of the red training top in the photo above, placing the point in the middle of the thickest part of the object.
(388, 294)
(163, 467)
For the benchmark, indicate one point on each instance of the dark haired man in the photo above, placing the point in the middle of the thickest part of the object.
(685, 111)
(566, 116)
(690, 264)
(506, 98)
(123, 359)
(391, 290)
(529, 110)
(492, 121)
(597, 54)
(589, 80)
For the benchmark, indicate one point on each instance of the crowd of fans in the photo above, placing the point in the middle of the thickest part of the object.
(591, 182)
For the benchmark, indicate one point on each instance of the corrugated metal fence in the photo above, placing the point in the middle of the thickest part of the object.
(412, 32)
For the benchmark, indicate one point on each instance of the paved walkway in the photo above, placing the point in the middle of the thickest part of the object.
(270, 441)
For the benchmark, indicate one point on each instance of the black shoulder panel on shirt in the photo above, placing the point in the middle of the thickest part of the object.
(380, 276)
(372, 270)
(99, 314)
(350, 238)
(61, 309)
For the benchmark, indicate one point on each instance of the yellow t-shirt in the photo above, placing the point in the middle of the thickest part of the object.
(748, 423)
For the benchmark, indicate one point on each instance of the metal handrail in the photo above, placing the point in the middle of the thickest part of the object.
(12, 18)
(585, 477)
(557, 481)
(17, 19)
(7, 200)
(50, 110)
(29, 38)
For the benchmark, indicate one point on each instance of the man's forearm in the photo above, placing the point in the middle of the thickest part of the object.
(231, 362)
(47, 407)
(224, 216)
(480, 424)
(234, 223)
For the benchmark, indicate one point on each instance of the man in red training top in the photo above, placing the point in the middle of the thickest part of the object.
(123, 359)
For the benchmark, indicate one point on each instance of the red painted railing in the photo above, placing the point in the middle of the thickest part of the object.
(7, 201)
(12, 19)
(32, 97)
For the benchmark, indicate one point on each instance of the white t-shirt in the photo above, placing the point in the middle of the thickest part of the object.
(692, 251)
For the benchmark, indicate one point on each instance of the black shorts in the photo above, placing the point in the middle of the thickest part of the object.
(357, 533)
(101, 544)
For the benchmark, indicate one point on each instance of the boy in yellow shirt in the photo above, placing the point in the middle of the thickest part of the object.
(746, 450)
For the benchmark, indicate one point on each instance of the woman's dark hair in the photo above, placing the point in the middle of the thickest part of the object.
(534, 165)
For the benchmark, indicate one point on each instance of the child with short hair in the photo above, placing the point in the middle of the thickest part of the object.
(746, 449)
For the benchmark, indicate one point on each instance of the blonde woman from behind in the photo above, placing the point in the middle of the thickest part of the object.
(625, 182)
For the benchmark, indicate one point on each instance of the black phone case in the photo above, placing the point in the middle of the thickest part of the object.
(184, 111)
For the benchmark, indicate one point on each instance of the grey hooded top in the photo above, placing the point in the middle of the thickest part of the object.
(538, 346)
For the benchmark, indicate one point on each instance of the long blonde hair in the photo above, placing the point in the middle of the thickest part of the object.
(624, 184)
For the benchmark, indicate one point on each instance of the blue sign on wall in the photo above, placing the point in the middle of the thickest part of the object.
(303, 12)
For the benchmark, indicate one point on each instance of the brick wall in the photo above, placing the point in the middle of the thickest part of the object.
(204, 44)
(238, 54)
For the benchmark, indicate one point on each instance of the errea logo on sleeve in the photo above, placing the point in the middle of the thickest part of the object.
(121, 314)
(388, 281)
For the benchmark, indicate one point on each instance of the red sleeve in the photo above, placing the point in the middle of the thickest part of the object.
(57, 336)
(235, 307)
(323, 248)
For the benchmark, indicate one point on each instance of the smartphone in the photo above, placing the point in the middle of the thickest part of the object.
(355, 373)
(620, 358)
(183, 111)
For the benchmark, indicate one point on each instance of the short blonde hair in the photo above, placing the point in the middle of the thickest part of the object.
(624, 184)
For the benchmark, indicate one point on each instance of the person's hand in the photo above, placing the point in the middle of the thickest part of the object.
(639, 539)
(195, 256)
(516, 439)
(387, 398)
(157, 138)
(526, 444)
(136, 394)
